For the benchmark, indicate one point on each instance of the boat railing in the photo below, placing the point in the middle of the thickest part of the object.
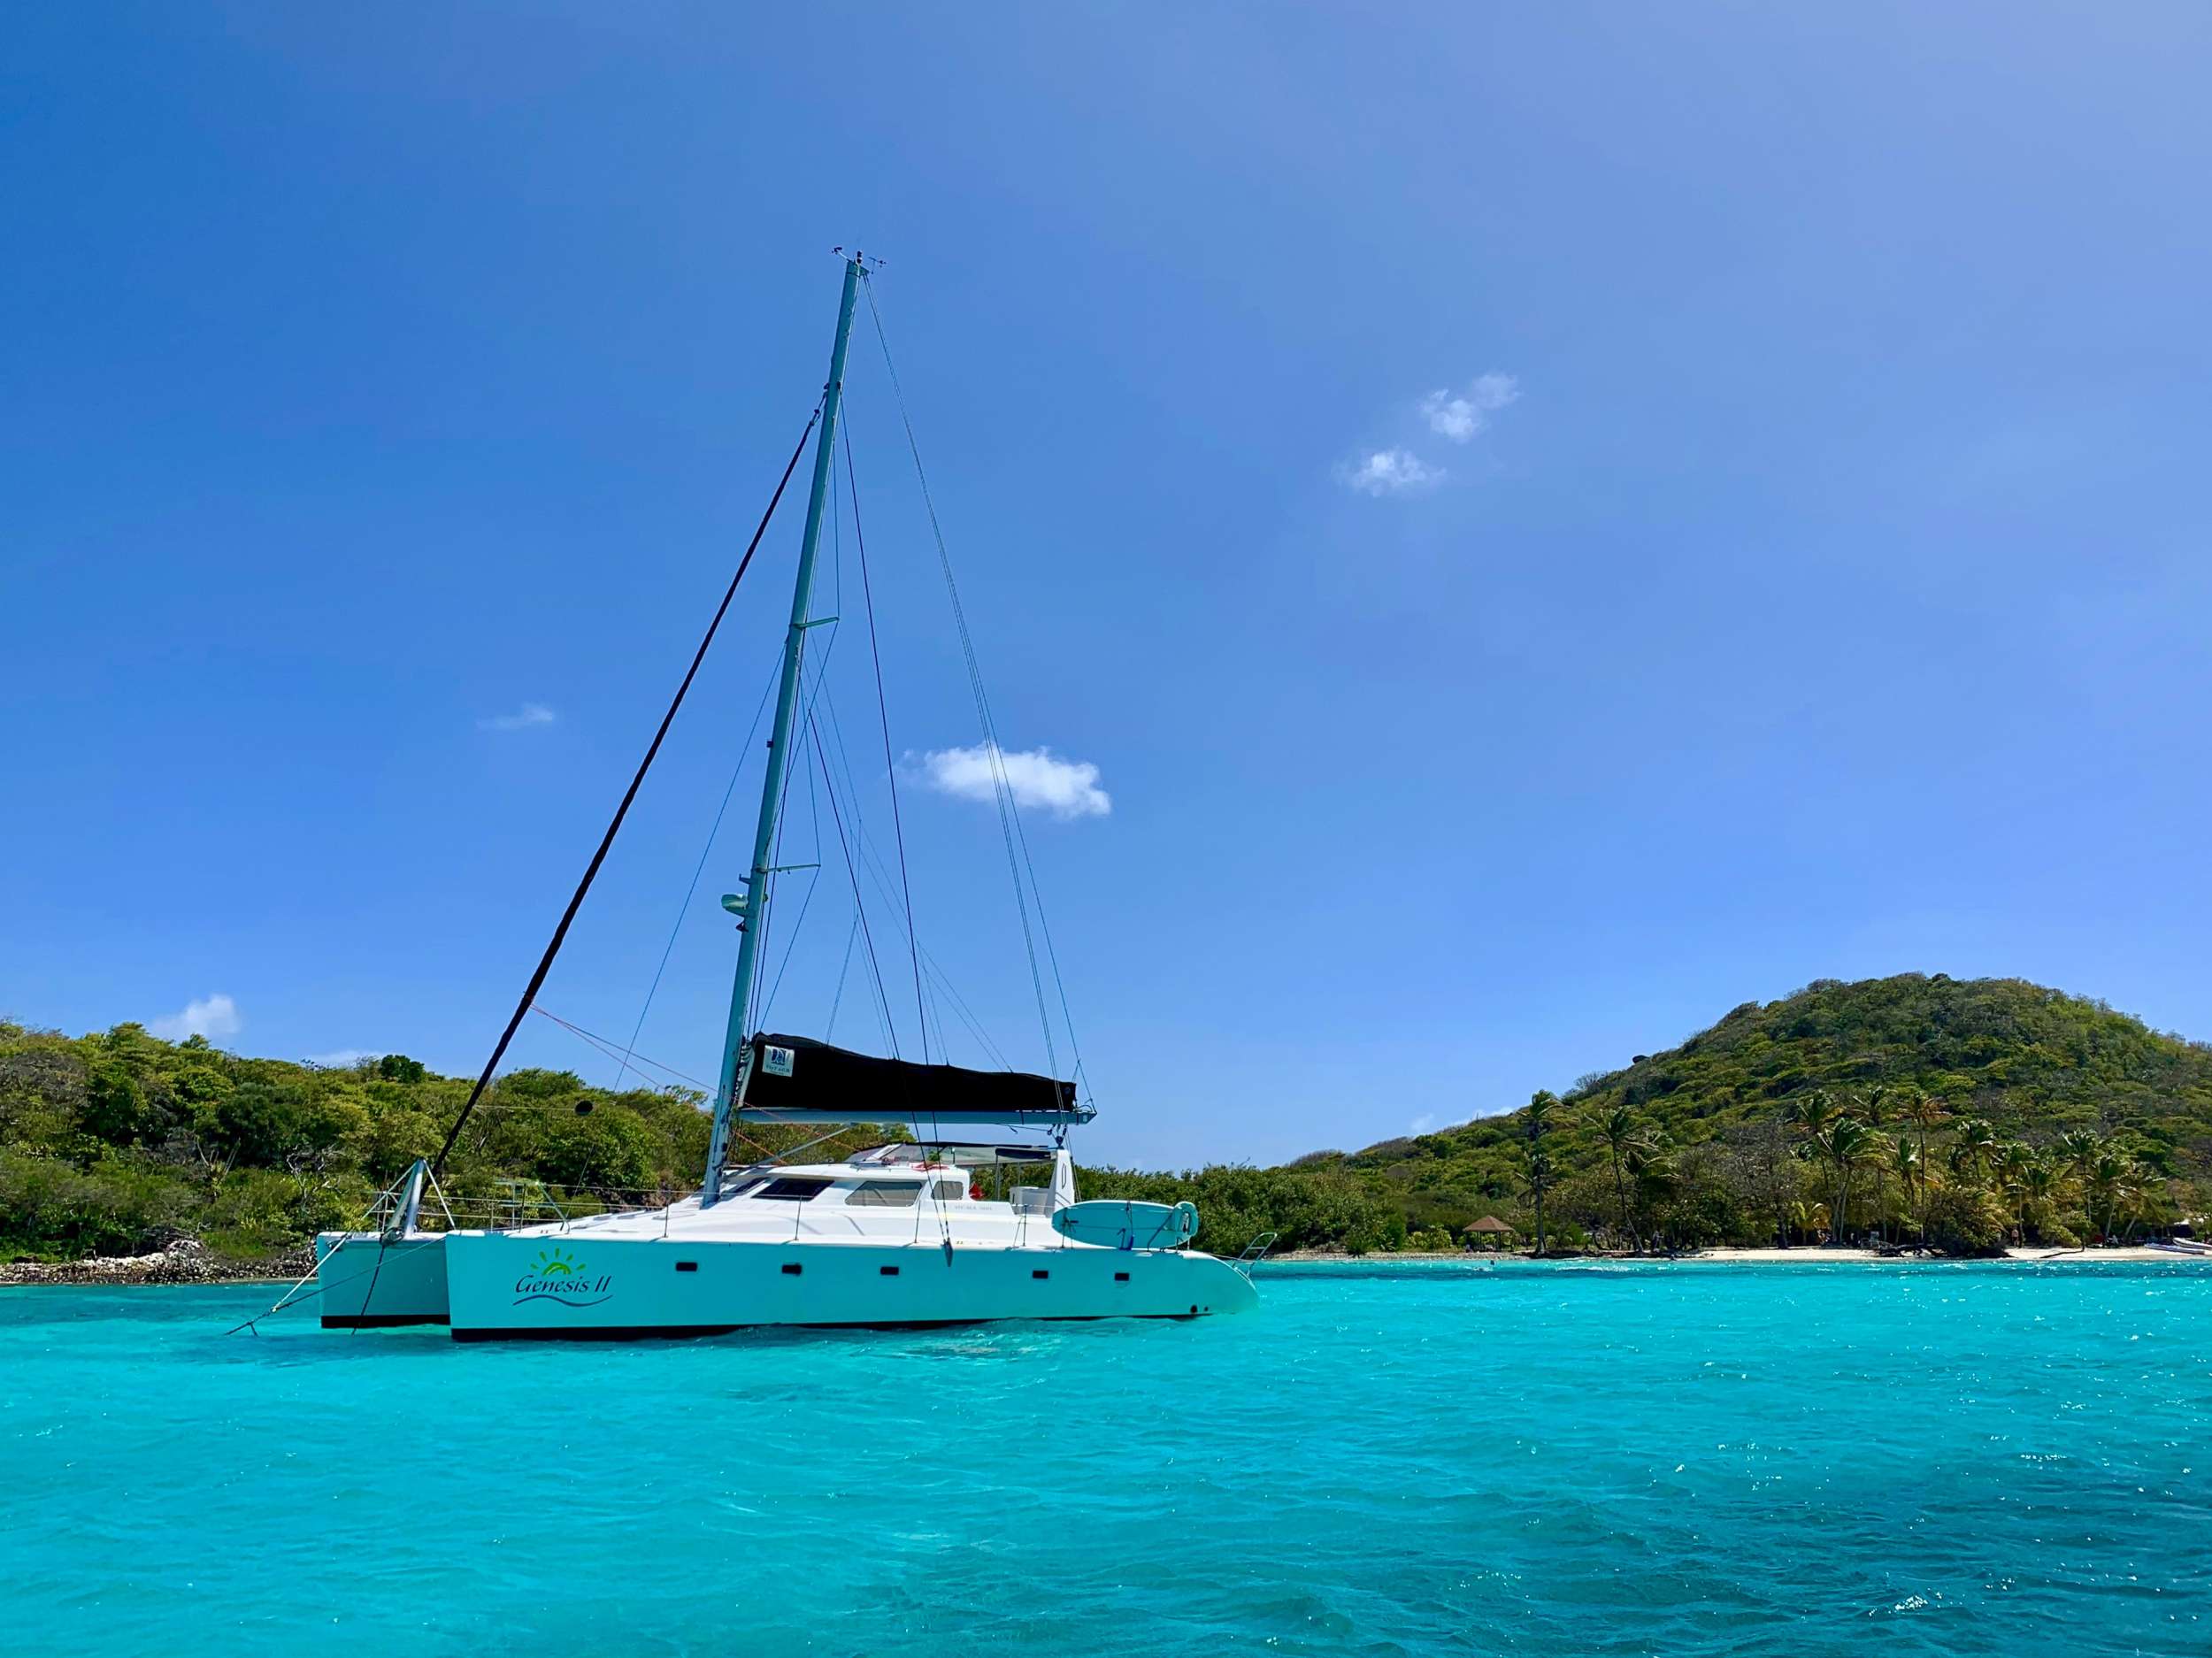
(1253, 1253)
(533, 1203)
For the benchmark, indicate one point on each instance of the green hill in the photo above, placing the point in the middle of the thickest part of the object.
(2033, 1063)
(2023, 1112)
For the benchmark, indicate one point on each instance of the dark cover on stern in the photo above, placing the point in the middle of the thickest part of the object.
(795, 1078)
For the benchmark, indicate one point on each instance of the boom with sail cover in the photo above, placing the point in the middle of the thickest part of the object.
(794, 1079)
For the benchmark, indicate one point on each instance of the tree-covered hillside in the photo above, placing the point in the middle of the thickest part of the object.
(1723, 1132)
(118, 1142)
(1957, 1112)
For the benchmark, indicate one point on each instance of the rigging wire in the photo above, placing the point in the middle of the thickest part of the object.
(890, 770)
(791, 945)
(875, 967)
(605, 1045)
(684, 909)
(837, 997)
(1010, 827)
(873, 861)
(591, 870)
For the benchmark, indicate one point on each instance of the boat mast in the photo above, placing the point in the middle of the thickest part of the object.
(752, 908)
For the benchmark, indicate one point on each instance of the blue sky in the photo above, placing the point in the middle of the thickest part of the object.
(1803, 572)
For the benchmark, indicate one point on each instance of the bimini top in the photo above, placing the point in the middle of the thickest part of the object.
(794, 1079)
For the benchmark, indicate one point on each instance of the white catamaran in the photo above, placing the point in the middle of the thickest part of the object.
(901, 1234)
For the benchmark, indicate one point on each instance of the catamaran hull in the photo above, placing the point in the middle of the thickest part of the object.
(367, 1280)
(581, 1288)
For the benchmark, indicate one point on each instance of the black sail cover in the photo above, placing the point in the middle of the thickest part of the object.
(794, 1078)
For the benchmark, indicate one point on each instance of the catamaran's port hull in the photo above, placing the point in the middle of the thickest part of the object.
(587, 1288)
(369, 1281)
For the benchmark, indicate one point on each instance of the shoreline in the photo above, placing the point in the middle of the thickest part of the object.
(191, 1263)
(1807, 1254)
(184, 1262)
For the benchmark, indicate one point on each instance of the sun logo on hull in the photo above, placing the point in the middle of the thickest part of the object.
(558, 1276)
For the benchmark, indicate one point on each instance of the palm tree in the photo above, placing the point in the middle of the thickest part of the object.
(2011, 1165)
(2114, 1179)
(1912, 1169)
(1846, 1143)
(2041, 1180)
(1811, 1113)
(1874, 1111)
(1926, 1111)
(2078, 1150)
(1537, 1125)
(1650, 1168)
(2075, 1153)
(1622, 1134)
(1974, 1145)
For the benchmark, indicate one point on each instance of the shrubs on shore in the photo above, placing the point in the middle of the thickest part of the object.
(1956, 1115)
(118, 1143)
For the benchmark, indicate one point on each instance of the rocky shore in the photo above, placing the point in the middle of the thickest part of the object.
(184, 1262)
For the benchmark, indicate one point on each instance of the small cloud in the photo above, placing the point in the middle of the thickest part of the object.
(1422, 1124)
(1036, 777)
(217, 1015)
(528, 715)
(344, 1058)
(1391, 472)
(1460, 417)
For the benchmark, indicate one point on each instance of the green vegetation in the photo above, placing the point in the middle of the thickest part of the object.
(119, 1143)
(1917, 1110)
(1906, 1111)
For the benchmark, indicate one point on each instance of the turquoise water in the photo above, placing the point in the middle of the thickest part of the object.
(1600, 1460)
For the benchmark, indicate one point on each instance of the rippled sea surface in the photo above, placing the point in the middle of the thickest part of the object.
(1582, 1460)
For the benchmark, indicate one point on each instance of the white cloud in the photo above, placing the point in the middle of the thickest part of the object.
(1460, 417)
(528, 715)
(1037, 777)
(1392, 471)
(1422, 1124)
(344, 1058)
(215, 1016)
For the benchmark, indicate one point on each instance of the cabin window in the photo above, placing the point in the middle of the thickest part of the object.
(951, 1191)
(884, 1194)
(796, 1186)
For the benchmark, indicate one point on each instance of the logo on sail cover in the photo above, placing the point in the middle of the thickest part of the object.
(777, 1062)
(558, 1276)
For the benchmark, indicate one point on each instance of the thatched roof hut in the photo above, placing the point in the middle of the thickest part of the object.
(1491, 1224)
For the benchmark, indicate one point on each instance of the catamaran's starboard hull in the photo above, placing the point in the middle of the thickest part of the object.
(504, 1287)
(366, 1280)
